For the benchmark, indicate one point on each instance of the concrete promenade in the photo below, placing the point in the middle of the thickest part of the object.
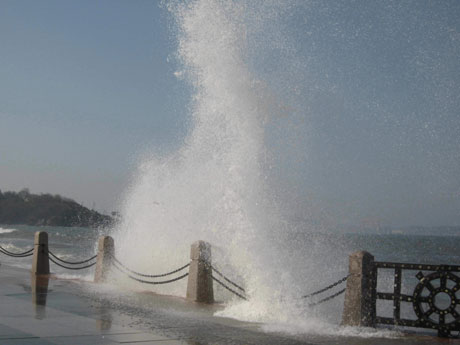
(66, 312)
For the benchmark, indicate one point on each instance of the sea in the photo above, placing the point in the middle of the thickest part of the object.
(76, 243)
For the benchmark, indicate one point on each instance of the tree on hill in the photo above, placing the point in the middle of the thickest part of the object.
(46, 209)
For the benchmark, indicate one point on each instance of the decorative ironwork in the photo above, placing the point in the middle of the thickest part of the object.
(426, 306)
(435, 305)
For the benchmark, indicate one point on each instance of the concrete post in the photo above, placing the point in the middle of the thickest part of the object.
(105, 254)
(359, 305)
(199, 286)
(41, 263)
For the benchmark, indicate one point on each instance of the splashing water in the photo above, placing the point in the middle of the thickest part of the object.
(214, 188)
(218, 186)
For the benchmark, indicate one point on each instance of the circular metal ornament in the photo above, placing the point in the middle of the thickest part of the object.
(420, 300)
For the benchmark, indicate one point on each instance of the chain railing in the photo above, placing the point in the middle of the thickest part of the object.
(216, 274)
(226, 279)
(74, 265)
(53, 258)
(17, 255)
(243, 294)
(314, 304)
(132, 273)
(240, 295)
(327, 288)
(70, 262)
(148, 275)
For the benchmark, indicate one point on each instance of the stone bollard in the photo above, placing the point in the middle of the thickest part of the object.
(359, 305)
(199, 286)
(41, 263)
(105, 254)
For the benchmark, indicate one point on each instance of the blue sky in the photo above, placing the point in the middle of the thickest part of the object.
(84, 87)
(372, 87)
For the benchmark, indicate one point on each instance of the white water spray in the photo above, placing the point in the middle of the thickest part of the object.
(215, 187)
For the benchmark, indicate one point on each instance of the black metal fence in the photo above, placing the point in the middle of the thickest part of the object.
(435, 299)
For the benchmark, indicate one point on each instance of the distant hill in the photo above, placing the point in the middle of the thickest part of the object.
(46, 209)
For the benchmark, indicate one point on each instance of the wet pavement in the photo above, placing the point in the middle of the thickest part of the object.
(69, 312)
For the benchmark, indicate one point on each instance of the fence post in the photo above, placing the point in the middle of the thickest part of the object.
(41, 263)
(199, 286)
(105, 252)
(359, 305)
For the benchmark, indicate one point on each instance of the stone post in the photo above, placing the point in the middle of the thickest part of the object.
(359, 305)
(199, 286)
(105, 252)
(41, 263)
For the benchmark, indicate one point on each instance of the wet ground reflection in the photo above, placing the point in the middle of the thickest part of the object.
(39, 290)
(104, 321)
(79, 312)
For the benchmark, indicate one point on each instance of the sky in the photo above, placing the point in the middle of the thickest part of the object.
(85, 86)
(371, 90)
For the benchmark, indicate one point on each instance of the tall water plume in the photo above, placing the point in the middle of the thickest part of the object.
(214, 187)
(325, 108)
